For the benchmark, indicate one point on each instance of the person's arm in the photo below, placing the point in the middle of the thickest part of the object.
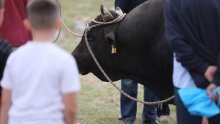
(70, 85)
(5, 106)
(6, 101)
(184, 52)
(70, 107)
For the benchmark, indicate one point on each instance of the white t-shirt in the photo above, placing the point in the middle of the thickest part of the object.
(39, 73)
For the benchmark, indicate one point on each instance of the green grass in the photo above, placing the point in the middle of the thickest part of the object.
(98, 102)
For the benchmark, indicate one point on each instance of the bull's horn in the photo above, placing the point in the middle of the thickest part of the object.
(106, 15)
(119, 11)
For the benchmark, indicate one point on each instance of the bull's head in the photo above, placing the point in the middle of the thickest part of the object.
(101, 40)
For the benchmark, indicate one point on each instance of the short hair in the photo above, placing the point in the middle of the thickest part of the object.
(42, 14)
(1, 4)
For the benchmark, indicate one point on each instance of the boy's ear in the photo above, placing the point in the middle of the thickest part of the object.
(27, 24)
(58, 24)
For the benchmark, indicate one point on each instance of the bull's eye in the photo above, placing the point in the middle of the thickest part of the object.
(91, 39)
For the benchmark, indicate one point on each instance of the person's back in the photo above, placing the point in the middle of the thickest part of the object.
(38, 73)
(40, 79)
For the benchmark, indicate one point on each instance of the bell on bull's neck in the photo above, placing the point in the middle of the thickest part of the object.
(106, 15)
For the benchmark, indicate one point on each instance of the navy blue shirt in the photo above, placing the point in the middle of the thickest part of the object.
(193, 32)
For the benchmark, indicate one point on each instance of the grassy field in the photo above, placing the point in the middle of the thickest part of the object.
(98, 102)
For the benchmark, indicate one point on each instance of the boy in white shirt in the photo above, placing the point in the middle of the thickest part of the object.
(40, 79)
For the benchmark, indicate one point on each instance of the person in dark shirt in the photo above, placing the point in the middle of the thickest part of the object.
(192, 30)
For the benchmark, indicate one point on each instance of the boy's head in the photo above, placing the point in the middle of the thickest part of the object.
(1, 11)
(43, 15)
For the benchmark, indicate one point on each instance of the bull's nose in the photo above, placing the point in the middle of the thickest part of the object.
(83, 72)
(82, 69)
(81, 63)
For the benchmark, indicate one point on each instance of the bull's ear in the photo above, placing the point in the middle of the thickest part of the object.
(110, 37)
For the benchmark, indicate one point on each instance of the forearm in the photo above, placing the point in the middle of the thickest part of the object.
(4, 115)
(70, 108)
(5, 106)
(69, 116)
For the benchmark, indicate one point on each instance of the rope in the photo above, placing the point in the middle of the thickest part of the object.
(104, 73)
(66, 27)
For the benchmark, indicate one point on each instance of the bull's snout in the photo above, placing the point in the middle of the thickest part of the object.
(82, 61)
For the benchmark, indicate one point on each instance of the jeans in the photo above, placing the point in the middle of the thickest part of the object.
(129, 107)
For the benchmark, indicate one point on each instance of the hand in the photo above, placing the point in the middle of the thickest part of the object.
(209, 91)
(210, 72)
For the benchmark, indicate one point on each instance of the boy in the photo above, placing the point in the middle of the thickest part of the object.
(40, 79)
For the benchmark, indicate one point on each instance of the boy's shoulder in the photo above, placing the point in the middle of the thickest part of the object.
(61, 55)
(61, 52)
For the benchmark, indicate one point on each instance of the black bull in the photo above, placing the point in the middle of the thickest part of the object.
(142, 52)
